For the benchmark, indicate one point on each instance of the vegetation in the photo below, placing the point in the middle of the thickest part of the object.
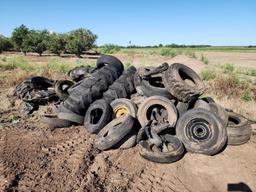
(208, 74)
(204, 59)
(168, 52)
(80, 40)
(246, 95)
(228, 68)
(29, 40)
(109, 48)
(5, 44)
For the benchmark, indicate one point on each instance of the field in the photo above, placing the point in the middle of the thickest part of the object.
(34, 157)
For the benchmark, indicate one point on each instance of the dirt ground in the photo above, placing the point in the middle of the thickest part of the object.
(34, 157)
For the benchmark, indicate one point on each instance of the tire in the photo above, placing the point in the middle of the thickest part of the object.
(53, 121)
(219, 111)
(145, 109)
(123, 106)
(175, 82)
(150, 87)
(239, 129)
(120, 89)
(97, 116)
(201, 132)
(61, 88)
(64, 113)
(114, 132)
(200, 103)
(79, 73)
(137, 84)
(182, 108)
(128, 141)
(112, 61)
(146, 150)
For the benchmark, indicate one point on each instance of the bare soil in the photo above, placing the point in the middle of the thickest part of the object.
(34, 157)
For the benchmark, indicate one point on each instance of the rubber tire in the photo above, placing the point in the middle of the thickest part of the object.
(202, 104)
(104, 118)
(217, 137)
(239, 132)
(157, 100)
(178, 87)
(150, 90)
(60, 92)
(114, 132)
(112, 61)
(64, 113)
(145, 150)
(53, 121)
(123, 102)
(219, 111)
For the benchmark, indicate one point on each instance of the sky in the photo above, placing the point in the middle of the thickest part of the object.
(140, 22)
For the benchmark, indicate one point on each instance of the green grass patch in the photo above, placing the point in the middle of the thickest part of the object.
(228, 68)
(59, 65)
(110, 49)
(204, 59)
(246, 95)
(168, 52)
(208, 74)
(9, 63)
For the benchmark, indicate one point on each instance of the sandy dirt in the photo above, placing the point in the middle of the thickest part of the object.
(34, 157)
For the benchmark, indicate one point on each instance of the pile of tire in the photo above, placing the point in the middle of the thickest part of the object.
(161, 109)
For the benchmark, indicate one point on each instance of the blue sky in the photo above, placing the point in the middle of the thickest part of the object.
(143, 22)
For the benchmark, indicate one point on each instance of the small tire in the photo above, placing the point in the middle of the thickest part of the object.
(97, 116)
(111, 61)
(114, 132)
(175, 82)
(239, 129)
(146, 107)
(201, 132)
(53, 121)
(174, 153)
(123, 106)
(61, 88)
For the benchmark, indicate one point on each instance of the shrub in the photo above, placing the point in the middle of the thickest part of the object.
(168, 52)
(228, 68)
(110, 48)
(36, 41)
(56, 43)
(207, 74)
(80, 40)
(5, 44)
(204, 59)
(246, 95)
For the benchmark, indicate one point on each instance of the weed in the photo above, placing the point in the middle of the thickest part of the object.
(228, 68)
(17, 62)
(168, 52)
(190, 53)
(204, 59)
(110, 49)
(246, 95)
(59, 65)
(250, 72)
(207, 74)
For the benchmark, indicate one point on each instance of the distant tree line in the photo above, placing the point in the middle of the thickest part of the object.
(29, 40)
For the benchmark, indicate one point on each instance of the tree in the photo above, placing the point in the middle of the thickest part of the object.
(18, 36)
(36, 41)
(80, 40)
(5, 44)
(57, 43)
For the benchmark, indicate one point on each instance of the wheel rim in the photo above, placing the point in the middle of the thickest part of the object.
(121, 110)
(198, 130)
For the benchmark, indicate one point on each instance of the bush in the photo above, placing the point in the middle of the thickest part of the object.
(56, 43)
(80, 40)
(228, 68)
(246, 95)
(168, 52)
(36, 41)
(110, 49)
(207, 74)
(5, 44)
(204, 59)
